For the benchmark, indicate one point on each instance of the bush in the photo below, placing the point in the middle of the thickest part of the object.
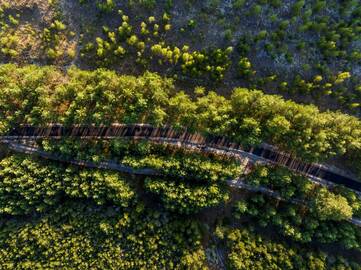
(27, 185)
(187, 198)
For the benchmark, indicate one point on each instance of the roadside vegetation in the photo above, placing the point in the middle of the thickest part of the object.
(35, 96)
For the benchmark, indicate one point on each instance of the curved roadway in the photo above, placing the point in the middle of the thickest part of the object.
(263, 153)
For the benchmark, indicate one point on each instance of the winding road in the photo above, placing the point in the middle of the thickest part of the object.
(234, 183)
(264, 153)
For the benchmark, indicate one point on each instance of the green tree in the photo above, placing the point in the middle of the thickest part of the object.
(329, 206)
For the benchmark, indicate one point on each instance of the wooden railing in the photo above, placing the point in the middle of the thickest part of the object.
(263, 153)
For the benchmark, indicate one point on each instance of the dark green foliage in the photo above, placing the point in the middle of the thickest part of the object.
(237, 4)
(150, 4)
(169, 160)
(80, 235)
(192, 180)
(28, 185)
(249, 250)
(187, 198)
(287, 184)
(298, 222)
(106, 5)
(187, 166)
(333, 203)
(302, 210)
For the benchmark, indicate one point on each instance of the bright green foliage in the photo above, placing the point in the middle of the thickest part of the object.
(245, 67)
(297, 222)
(274, 36)
(149, 46)
(289, 185)
(196, 64)
(101, 186)
(28, 185)
(294, 126)
(249, 250)
(193, 180)
(23, 41)
(31, 82)
(186, 198)
(103, 97)
(300, 209)
(181, 110)
(99, 97)
(333, 203)
(352, 198)
(329, 206)
(201, 170)
(212, 114)
(85, 236)
(53, 38)
(168, 160)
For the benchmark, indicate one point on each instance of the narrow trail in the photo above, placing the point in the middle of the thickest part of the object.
(235, 183)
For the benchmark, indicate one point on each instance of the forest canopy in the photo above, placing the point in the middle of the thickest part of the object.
(195, 134)
(39, 95)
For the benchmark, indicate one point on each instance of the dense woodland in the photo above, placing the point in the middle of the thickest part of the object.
(188, 181)
(33, 95)
(282, 73)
